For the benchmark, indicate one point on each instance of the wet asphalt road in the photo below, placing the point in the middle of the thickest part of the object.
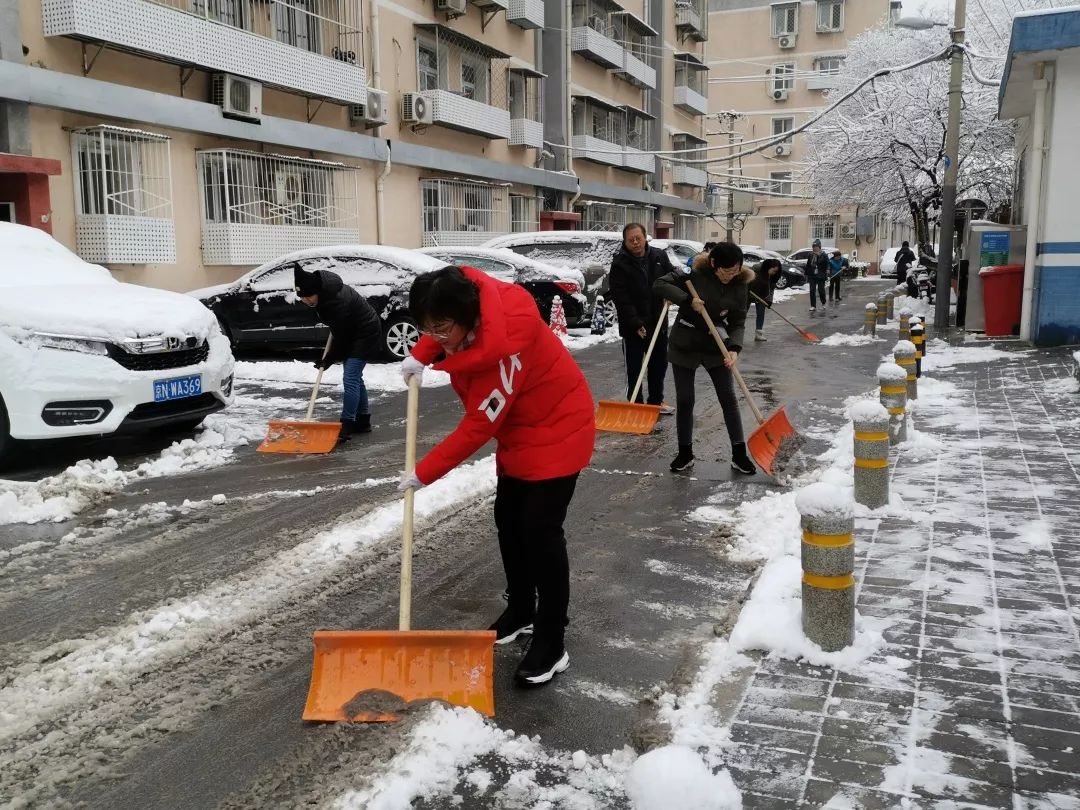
(218, 723)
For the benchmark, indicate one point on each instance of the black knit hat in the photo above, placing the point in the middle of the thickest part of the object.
(306, 283)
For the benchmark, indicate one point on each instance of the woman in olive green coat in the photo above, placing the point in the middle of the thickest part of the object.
(722, 282)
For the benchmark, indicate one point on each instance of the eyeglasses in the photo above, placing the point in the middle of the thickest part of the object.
(443, 332)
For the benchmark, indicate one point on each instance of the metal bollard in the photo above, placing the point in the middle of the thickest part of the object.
(889, 297)
(893, 381)
(870, 320)
(828, 562)
(904, 355)
(871, 453)
(918, 339)
(905, 324)
(882, 310)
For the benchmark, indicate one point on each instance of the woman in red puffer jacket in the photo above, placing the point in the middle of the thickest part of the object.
(520, 386)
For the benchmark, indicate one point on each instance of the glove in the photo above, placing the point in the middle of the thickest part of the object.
(323, 363)
(409, 481)
(411, 367)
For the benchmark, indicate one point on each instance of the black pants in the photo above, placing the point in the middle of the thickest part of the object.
(634, 353)
(834, 288)
(529, 516)
(817, 290)
(724, 383)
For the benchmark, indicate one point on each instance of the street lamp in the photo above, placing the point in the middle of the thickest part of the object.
(952, 157)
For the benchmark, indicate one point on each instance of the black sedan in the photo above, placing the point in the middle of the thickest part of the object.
(260, 310)
(543, 281)
(791, 275)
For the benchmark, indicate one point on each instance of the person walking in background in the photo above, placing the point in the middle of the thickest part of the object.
(817, 271)
(766, 275)
(904, 259)
(705, 249)
(520, 386)
(355, 339)
(836, 272)
(722, 282)
(634, 269)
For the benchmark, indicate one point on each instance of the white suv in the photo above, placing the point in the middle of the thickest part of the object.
(82, 354)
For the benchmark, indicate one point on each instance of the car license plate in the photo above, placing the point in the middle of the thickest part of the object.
(177, 388)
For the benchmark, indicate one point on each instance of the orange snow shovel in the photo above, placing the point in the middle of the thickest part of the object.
(775, 440)
(369, 676)
(810, 336)
(631, 417)
(307, 436)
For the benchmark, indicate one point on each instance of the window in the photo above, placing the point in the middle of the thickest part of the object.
(828, 64)
(782, 125)
(524, 213)
(296, 24)
(784, 76)
(427, 66)
(781, 182)
(460, 212)
(823, 228)
(121, 173)
(229, 12)
(830, 15)
(785, 20)
(474, 78)
(778, 229)
(517, 95)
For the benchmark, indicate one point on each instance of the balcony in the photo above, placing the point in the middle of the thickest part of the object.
(525, 132)
(526, 105)
(636, 37)
(455, 111)
(692, 19)
(823, 81)
(637, 161)
(276, 43)
(637, 72)
(528, 14)
(587, 147)
(118, 239)
(684, 175)
(597, 47)
(690, 100)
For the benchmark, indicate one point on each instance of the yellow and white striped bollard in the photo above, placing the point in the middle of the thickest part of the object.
(827, 517)
(893, 396)
(904, 355)
(871, 422)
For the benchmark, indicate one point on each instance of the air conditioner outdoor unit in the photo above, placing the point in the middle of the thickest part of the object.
(372, 114)
(416, 109)
(451, 6)
(783, 149)
(779, 95)
(238, 98)
(787, 41)
(847, 230)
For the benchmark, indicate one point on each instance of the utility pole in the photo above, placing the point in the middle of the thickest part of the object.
(952, 158)
(729, 118)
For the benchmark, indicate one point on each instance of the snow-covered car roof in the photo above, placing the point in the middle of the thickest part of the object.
(553, 236)
(664, 244)
(62, 294)
(524, 264)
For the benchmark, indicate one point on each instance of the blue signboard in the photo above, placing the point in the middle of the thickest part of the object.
(994, 242)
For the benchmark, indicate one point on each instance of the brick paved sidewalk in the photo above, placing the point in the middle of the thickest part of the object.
(974, 699)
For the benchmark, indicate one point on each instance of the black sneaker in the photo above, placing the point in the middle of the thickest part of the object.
(363, 423)
(348, 428)
(509, 626)
(740, 459)
(544, 660)
(685, 459)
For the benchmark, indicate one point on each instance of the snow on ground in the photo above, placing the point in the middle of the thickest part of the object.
(940, 355)
(377, 376)
(857, 339)
(788, 293)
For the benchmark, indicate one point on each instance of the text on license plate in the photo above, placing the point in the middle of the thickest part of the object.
(177, 388)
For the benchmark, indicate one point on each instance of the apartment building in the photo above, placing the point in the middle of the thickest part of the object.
(181, 142)
(771, 63)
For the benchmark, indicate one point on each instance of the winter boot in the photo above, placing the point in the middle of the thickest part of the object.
(760, 336)
(740, 460)
(363, 423)
(545, 659)
(348, 428)
(685, 459)
(510, 625)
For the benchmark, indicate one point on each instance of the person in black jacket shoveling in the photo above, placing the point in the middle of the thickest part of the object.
(817, 273)
(634, 270)
(354, 328)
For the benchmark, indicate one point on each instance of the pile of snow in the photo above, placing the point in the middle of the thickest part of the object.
(857, 339)
(824, 500)
(675, 776)
(941, 355)
(867, 410)
(377, 377)
(788, 293)
(892, 373)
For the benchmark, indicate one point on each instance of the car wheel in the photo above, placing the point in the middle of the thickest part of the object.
(781, 282)
(611, 315)
(400, 336)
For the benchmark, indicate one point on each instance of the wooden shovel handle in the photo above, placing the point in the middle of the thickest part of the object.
(727, 356)
(412, 410)
(648, 352)
(318, 381)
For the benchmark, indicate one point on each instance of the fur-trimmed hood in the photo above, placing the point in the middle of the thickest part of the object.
(701, 263)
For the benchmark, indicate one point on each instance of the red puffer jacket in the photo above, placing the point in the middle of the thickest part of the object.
(518, 384)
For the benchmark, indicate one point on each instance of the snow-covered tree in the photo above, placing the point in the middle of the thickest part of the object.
(885, 147)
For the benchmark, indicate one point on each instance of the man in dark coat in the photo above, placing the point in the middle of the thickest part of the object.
(354, 328)
(634, 269)
(817, 271)
(904, 259)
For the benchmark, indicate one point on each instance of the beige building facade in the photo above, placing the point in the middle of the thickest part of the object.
(186, 141)
(771, 64)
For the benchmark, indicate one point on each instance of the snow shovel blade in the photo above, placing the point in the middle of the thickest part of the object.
(283, 436)
(766, 442)
(626, 417)
(810, 336)
(369, 676)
